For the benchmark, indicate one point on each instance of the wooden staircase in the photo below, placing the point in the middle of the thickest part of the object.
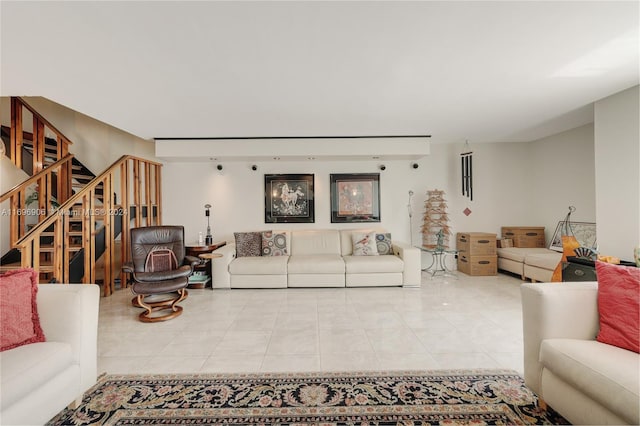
(74, 232)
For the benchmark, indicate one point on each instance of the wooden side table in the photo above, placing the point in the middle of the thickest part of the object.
(204, 267)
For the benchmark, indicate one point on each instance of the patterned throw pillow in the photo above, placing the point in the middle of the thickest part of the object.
(248, 244)
(383, 242)
(274, 244)
(19, 320)
(364, 244)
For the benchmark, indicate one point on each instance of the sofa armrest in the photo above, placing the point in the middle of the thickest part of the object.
(411, 274)
(555, 310)
(69, 313)
(220, 276)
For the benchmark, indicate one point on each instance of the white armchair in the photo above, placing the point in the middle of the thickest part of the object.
(586, 381)
(40, 379)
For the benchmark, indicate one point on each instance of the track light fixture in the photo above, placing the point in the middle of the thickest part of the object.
(383, 167)
(415, 165)
(254, 167)
(219, 167)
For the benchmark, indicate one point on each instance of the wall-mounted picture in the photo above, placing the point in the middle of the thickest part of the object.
(288, 198)
(585, 233)
(355, 197)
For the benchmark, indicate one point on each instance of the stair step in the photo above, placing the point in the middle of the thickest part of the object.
(81, 176)
(47, 149)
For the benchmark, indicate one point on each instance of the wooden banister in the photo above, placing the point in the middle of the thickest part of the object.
(40, 124)
(85, 209)
(19, 211)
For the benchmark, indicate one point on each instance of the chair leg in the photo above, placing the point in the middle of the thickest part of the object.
(542, 404)
(151, 307)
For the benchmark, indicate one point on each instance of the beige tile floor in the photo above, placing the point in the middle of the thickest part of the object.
(469, 322)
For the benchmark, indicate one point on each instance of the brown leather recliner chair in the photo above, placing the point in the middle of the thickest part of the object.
(159, 266)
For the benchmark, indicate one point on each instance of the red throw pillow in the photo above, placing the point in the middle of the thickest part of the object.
(619, 305)
(19, 320)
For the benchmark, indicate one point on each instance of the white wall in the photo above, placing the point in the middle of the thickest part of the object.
(617, 165)
(561, 173)
(514, 184)
(96, 144)
(499, 182)
(237, 194)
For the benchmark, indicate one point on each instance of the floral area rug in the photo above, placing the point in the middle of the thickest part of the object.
(451, 397)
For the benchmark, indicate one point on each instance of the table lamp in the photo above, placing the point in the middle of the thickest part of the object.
(208, 239)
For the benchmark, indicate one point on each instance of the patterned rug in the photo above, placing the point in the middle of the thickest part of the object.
(452, 397)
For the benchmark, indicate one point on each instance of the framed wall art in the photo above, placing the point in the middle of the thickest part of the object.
(289, 198)
(585, 233)
(355, 197)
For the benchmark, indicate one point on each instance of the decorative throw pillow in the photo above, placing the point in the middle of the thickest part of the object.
(364, 244)
(383, 243)
(161, 259)
(19, 320)
(619, 305)
(248, 244)
(274, 244)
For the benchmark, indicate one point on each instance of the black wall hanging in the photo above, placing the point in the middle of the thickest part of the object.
(466, 162)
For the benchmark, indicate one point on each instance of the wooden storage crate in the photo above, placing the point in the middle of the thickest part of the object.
(478, 265)
(505, 242)
(525, 236)
(476, 243)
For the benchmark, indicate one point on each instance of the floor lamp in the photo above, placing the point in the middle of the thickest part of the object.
(410, 216)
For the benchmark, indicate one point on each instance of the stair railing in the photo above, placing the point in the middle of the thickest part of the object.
(40, 125)
(138, 181)
(52, 189)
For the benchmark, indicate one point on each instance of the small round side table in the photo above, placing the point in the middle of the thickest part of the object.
(209, 255)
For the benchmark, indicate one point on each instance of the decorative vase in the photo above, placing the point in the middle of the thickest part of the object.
(636, 256)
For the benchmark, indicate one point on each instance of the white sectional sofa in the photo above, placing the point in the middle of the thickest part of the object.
(586, 381)
(318, 258)
(39, 380)
(536, 264)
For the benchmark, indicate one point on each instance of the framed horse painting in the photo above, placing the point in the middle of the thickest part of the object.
(289, 199)
(355, 197)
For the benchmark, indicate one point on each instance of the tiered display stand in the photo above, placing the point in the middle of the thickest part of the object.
(435, 227)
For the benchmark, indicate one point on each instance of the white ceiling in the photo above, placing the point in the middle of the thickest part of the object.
(482, 71)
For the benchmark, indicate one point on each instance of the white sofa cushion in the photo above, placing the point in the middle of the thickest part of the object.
(518, 254)
(315, 242)
(376, 279)
(259, 265)
(369, 264)
(316, 280)
(28, 367)
(606, 373)
(544, 261)
(258, 281)
(316, 264)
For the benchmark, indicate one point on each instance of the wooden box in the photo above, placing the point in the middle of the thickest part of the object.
(476, 243)
(478, 265)
(505, 242)
(525, 236)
